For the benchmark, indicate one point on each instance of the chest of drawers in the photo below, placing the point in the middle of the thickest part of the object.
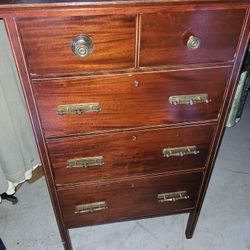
(128, 101)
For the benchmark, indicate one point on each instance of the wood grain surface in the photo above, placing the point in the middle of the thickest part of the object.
(164, 36)
(129, 154)
(126, 106)
(47, 43)
(129, 199)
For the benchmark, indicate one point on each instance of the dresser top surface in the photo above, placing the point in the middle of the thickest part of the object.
(7, 3)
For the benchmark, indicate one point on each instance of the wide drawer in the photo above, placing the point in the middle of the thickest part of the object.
(171, 38)
(115, 201)
(121, 102)
(48, 43)
(119, 155)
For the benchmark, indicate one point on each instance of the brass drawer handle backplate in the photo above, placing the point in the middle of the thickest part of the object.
(91, 207)
(85, 162)
(172, 197)
(78, 108)
(189, 99)
(180, 151)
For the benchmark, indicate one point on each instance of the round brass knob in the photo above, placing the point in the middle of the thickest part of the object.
(82, 46)
(193, 42)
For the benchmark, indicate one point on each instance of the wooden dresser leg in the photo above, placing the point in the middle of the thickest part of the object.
(66, 240)
(191, 224)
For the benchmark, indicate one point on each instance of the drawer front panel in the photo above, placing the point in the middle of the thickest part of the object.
(48, 43)
(129, 154)
(128, 199)
(166, 37)
(127, 101)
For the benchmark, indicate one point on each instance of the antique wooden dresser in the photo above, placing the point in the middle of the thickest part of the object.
(128, 100)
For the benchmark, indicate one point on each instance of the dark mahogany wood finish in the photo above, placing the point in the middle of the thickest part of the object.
(129, 153)
(241, 51)
(129, 199)
(47, 43)
(164, 36)
(140, 41)
(125, 106)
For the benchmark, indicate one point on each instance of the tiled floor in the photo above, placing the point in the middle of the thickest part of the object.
(224, 221)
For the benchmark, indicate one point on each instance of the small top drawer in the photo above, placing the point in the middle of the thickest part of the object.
(105, 43)
(174, 38)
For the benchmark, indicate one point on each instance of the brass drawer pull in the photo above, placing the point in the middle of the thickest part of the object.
(189, 99)
(193, 42)
(78, 109)
(91, 207)
(172, 197)
(85, 162)
(180, 151)
(82, 46)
